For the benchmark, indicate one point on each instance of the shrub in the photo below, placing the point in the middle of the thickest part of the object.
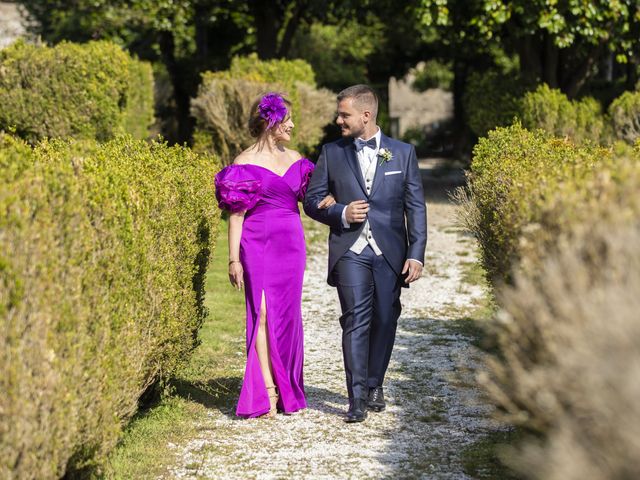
(567, 337)
(492, 100)
(94, 90)
(224, 101)
(570, 357)
(286, 72)
(222, 110)
(317, 110)
(516, 176)
(552, 111)
(103, 251)
(624, 112)
(140, 103)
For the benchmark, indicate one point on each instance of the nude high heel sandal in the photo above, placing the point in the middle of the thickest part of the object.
(273, 393)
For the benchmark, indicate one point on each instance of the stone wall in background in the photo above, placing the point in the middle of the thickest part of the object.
(409, 108)
(12, 23)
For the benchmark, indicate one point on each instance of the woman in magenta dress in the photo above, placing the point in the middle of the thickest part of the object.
(267, 257)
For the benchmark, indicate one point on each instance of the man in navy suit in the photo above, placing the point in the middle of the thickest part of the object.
(378, 235)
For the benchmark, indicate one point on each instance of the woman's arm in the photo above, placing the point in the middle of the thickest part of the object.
(236, 274)
(315, 203)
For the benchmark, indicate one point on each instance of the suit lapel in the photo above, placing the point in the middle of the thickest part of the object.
(380, 169)
(352, 159)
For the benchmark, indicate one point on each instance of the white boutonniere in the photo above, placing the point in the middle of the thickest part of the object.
(385, 155)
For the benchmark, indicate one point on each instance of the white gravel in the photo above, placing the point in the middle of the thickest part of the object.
(434, 408)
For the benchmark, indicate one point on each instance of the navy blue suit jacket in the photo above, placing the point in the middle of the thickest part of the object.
(397, 213)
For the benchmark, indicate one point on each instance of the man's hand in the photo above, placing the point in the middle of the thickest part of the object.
(414, 270)
(356, 211)
(327, 202)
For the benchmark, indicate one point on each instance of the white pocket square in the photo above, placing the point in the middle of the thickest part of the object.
(395, 172)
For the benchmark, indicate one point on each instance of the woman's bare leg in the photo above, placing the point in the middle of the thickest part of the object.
(264, 356)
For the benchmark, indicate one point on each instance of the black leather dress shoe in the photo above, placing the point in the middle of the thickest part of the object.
(376, 400)
(357, 411)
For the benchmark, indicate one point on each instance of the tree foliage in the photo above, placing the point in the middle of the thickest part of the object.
(559, 43)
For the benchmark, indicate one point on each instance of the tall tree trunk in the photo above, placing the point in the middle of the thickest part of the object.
(528, 48)
(574, 78)
(291, 28)
(633, 62)
(632, 74)
(462, 132)
(267, 20)
(550, 62)
(180, 81)
(202, 33)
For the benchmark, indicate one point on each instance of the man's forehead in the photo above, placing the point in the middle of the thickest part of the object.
(345, 103)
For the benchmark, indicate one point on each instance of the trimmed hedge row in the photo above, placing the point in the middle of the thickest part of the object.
(93, 90)
(224, 101)
(624, 112)
(559, 231)
(493, 100)
(528, 187)
(569, 363)
(103, 252)
(550, 109)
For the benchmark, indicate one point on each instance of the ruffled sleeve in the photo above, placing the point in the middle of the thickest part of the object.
(236, 189)
(306, 169)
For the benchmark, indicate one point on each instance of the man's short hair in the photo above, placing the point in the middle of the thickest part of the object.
(364, 98)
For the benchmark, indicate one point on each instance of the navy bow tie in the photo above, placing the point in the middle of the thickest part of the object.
(371, 143)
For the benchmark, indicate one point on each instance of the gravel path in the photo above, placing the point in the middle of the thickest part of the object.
(434, 408)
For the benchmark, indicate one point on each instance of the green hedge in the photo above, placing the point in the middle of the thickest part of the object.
(93, 90)
(492, 99)
(561, 224)
(224, 101)
(103, 252)
(551, 110)
(569, 343)
(624, 112)
(527, 187)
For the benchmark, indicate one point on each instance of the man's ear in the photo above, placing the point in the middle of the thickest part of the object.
(366, 116)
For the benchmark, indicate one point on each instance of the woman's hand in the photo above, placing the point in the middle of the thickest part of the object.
(327, 202)
(236, 274)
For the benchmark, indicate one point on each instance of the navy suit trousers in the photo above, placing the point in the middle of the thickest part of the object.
(369, 292)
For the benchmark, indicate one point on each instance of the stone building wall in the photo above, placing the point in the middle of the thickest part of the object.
(425, 110)
(12, 24)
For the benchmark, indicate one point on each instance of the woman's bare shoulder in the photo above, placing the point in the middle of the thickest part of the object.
(245, 157)
(293, 154)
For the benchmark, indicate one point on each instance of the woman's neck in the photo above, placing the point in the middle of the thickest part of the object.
(268, 144)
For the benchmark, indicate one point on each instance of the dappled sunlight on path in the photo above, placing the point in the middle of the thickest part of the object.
(434, 409)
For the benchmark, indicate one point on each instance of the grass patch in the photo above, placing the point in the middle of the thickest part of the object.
(315, 233)
(481, 459)
(139, 454)
(474, 324)
(432, 418)
(473, 273)
(210, 380)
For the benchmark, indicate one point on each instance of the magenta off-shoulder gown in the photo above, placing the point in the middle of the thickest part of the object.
(273, 255)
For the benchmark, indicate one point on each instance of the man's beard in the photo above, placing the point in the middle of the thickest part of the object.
(355, 133)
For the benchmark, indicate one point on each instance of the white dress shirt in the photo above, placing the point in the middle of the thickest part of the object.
(367, 159)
